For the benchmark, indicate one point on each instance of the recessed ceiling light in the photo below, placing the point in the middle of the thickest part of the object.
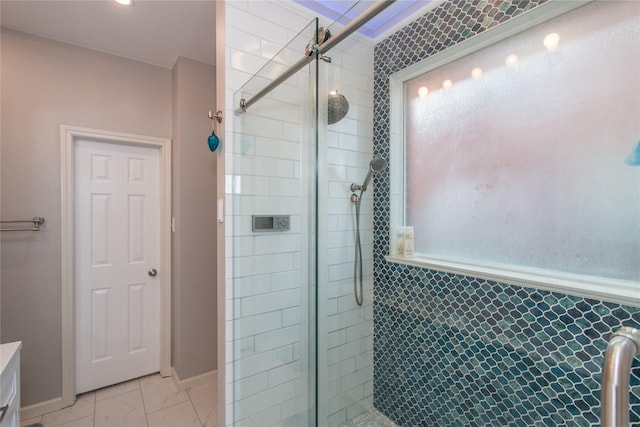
(551, 41)
(124, 2)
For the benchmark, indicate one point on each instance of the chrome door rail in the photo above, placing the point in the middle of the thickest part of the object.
(623, 346)
(347, 30)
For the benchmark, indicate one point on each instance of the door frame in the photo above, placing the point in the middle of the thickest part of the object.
(68, 136)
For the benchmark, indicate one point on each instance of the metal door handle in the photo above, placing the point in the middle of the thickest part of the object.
(153, 272)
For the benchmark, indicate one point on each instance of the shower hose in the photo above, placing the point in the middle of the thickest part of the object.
(357, 265)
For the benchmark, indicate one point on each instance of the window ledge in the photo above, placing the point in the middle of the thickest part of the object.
(612, 290)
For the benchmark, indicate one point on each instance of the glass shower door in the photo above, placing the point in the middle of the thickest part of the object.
(345, 148)
(271, 274)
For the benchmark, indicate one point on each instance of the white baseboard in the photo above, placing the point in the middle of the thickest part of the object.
(192, 382)
(42, 408)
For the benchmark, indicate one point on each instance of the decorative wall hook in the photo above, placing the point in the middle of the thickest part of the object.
(213, 141)
(218, 116)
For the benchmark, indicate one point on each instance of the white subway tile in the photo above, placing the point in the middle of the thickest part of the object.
(295, 407)
(286, 280)
(343, 320)
(244, 61)
(276, 243)
(329, 307)
(250, 285)
(359, 407)
(262, 362)
(338, 289)
(242, 246)
(250, 385)
(359, 331)
(252, 24)
(242, 41)
(364, 360)
(336, 338)
(337, 419)
(262, 264)
(285, 187)
(270, 302)
(291, 316)
(242, 348)
(343, 352)
(356, 380)
(267, 418)
(278, 338)
(280, 16)
(255, 324)
(285, 374)
(339, 239)
(269, 398)
(292, 132)
(341, 369)
(340, 271)
(276, 147)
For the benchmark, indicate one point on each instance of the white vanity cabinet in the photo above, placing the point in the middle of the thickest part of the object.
(10, 384)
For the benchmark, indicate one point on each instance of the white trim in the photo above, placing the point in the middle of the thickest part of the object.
(626, 292)
(620, 291)
(68, 134)
(42, 408)
(198, 380)
(221, 93)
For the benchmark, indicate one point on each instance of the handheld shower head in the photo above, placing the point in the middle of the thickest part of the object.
(377, 164)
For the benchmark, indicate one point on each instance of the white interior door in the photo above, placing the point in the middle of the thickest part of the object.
(117, 241)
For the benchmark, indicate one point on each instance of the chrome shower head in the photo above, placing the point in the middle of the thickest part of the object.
(377, 164)
(338, 106)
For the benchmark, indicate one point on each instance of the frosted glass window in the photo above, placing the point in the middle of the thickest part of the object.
(516, 153)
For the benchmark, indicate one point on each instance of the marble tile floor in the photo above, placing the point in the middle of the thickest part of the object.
(370, 418)
(150, 401)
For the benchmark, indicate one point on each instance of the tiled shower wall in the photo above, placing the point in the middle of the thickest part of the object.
(345, 330)
(457, 350)
(268, 297)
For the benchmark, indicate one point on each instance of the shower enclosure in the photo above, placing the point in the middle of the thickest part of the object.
(299, 337)
(451, 347)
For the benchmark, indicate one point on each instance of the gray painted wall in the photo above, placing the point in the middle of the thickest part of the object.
(194, 308)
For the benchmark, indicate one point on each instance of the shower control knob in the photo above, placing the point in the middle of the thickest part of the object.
(153, 272)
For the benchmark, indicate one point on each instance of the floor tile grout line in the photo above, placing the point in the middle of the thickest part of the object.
(138, 387)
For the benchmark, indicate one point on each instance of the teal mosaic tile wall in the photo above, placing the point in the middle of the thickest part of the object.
(453, 350)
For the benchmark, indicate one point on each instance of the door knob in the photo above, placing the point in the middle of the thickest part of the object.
(153, 272)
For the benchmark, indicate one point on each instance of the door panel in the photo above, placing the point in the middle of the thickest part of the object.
(117, 217)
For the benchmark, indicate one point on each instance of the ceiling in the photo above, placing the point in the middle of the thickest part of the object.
(344, 11)
(158, 31)
(148, 31)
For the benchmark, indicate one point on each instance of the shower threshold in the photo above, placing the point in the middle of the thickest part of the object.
(370, 418)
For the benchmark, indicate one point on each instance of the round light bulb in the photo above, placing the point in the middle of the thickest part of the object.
(447, 84)
(511, 60)
(124, 2)
(476, 73)
(551, 41)
(423, 91)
